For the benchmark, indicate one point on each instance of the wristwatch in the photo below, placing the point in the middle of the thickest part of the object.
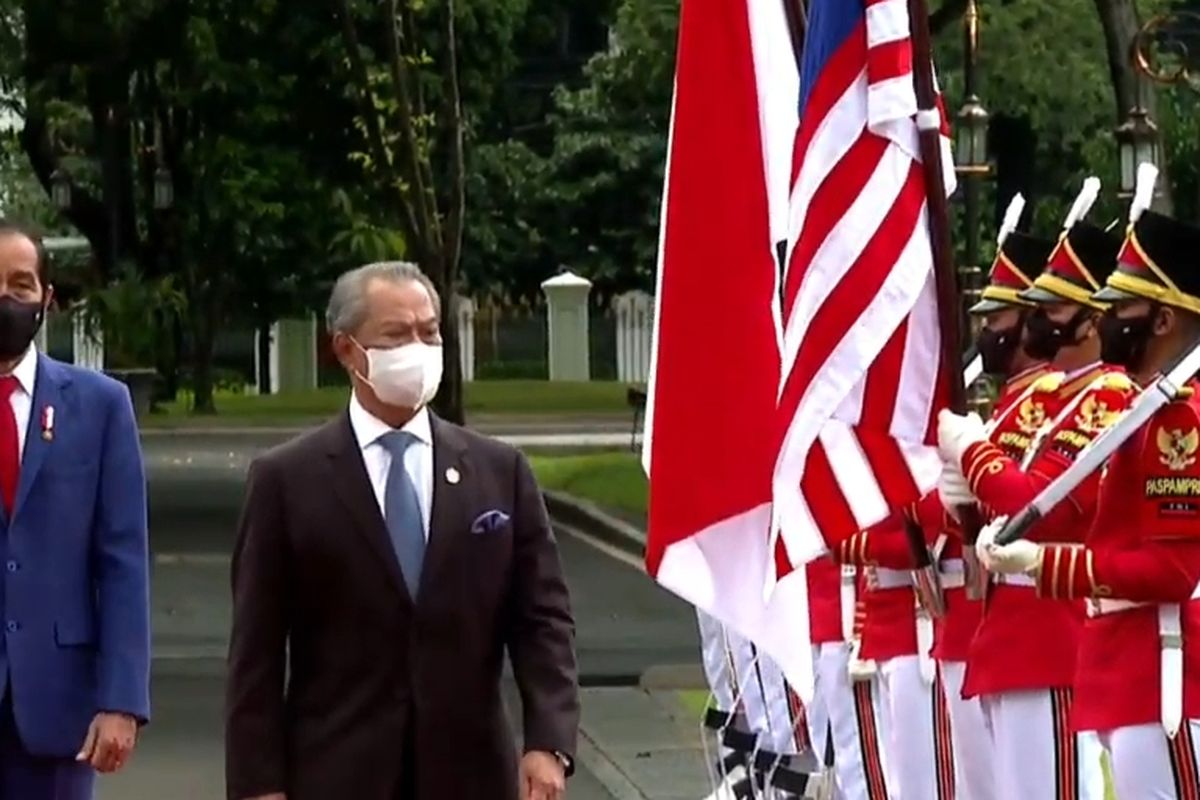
(568, 763)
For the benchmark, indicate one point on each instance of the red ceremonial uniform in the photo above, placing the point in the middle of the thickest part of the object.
(953, 632)
(1023, 641)
(1142, 551)
(824, 601)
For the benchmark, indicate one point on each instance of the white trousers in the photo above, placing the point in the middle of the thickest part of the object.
(918, 732)
(969, 737)
(1146, 765)
(1035, 755)
(851, 714)
(766, 697)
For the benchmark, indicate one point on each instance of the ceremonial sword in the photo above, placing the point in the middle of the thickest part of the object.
(1157, 395)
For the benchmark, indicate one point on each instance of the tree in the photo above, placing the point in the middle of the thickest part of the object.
(409, 93)
(115, 91)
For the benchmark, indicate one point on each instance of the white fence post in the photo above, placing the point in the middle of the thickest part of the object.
(87, 339)
(567, 318)
(464, 310)
(635, 323)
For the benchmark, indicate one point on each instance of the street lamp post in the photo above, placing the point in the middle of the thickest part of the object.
(60, 190)
(1167, 51)
(1137, 143)
(970, 156)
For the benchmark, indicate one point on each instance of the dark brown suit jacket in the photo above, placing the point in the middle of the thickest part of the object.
(384, 698)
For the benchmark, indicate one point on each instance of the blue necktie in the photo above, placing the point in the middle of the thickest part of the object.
(402, 511)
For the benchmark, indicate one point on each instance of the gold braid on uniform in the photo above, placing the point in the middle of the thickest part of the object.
(854, 550)
(980, 459)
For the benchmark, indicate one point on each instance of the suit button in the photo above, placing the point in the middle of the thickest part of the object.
(12, 627)
(12, 566)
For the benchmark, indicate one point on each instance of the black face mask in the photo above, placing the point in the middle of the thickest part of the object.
(997, 347)
(1047, 337)
(1123, 340)
(19, 323)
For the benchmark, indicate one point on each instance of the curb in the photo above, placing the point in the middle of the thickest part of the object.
(589, 518)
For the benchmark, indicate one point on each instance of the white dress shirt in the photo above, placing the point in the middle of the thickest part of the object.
(418, 459)
(21, 399)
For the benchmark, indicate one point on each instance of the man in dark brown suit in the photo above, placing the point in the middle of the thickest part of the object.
(383, 564)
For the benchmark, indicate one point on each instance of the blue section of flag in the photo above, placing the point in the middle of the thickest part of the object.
(830, 24)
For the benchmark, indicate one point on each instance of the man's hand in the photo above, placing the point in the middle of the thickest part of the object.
(986, 541)
(956, 433)
(953, 489)
(542, 777)
(109, 741)
(1022, 556)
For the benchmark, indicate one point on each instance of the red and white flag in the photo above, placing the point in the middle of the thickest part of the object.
(711, 436)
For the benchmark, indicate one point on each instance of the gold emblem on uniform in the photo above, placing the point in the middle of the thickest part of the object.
(1178, 449)
(1095, 415)
(1031, 416)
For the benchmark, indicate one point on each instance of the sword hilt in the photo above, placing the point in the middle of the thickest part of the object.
(1018, 526)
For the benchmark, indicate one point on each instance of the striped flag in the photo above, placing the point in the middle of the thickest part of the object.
(862, 379)
(711, 442)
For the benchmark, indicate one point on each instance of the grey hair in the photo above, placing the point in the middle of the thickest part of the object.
(347, 308)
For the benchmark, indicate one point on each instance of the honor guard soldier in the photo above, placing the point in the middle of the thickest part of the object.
(842, 717)
(1021, 661)
(1016, 416)
(1137, 681)
(1019, 260)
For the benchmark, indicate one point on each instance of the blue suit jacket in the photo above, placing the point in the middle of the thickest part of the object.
(75, 604)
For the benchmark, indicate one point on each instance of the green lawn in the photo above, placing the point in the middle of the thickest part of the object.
(528, 398)
(610, 479)
(694, 702)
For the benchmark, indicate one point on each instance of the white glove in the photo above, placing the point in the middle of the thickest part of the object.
(953, 490)
(986, 541)
(1021, 556)
(956, 433)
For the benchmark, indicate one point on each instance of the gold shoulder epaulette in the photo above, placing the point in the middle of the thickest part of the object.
(1116, 381)
(1050, 382)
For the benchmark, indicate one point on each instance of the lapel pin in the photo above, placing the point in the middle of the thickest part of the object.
(48, 423)
(452, 476)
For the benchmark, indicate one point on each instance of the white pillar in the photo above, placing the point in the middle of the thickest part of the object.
(464, 311)
(635, 322)
(293, 365)
(42, 339)
(87, 339)
(567, 317)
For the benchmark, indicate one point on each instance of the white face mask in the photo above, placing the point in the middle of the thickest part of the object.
(407, 376)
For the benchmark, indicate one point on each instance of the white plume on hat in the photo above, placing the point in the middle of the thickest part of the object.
(1083, 202)
(1143, 193)
(1012, 217)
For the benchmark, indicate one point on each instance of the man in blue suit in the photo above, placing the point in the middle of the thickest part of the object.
(74, 597)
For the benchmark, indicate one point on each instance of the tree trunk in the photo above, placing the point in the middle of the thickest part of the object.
(204, 337)
(449, 401)
(264, 358)
(1119, 20)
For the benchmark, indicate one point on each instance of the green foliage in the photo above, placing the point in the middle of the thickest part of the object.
(129, 311)
(591, 202)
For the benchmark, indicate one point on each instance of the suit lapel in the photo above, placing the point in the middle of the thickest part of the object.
(353, 488)
(47, 393)
(452, 488)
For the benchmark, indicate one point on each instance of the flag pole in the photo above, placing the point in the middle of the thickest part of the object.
(929, 126)
(796, 21)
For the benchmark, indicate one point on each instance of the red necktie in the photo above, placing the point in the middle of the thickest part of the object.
(10, 454)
